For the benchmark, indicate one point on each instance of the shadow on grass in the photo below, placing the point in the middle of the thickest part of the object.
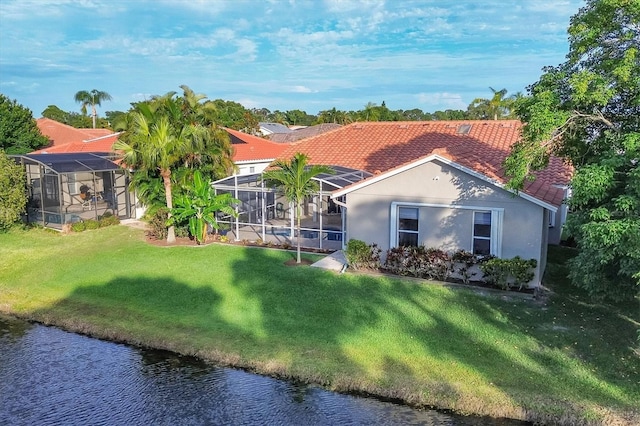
(356, 333)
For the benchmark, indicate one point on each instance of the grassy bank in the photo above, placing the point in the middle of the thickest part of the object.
(561, 360)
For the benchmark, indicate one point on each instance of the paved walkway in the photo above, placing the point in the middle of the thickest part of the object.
(336, 261)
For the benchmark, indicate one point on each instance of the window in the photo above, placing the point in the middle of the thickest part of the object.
(482, 233)
(252, 169)
(407, 226)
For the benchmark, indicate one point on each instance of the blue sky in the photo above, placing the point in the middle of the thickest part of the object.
(289, 54)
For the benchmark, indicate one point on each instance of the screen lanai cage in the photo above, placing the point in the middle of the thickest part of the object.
(265, 214)
(67, 188)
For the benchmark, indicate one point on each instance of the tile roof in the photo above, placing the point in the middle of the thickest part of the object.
(270, 128)
(253, 148)
(379, 147)
(67, 139)
(302, 133)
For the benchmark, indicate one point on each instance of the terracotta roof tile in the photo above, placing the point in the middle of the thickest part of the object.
(378, 147)
(252, 148)
(66, 139)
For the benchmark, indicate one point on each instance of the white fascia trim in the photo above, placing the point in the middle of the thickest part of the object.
(497, 216)
(453, 164)
(102, 137)
(266, 160)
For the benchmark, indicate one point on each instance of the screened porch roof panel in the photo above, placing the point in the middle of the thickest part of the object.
(73, 162)
(343, 176)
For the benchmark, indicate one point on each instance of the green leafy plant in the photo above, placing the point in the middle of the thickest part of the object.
(508, 273)
(420, 262)
(199, 205)
(78, 226)
(361, 255)
(91, 224)
(463, 261)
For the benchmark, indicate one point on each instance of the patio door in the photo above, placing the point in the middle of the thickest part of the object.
(51, 189)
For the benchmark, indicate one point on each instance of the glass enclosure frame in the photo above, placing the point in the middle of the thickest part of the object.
(264, 213)
(68, 188)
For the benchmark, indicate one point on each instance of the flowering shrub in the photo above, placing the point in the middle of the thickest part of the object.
(420, 262)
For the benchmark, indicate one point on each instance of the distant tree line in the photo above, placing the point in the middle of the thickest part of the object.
(235, 116)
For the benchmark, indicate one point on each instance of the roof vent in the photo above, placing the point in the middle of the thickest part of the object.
(464, 129)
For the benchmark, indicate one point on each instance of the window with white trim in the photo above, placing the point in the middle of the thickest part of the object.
(482, 232)
(407, 226)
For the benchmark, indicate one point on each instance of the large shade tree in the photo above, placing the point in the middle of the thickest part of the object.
(587, 110)
(168, 138)
(19, 133)
(295, 179)
(91, 98)
(13, 197)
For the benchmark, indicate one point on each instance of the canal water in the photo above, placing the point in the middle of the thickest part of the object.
(52, 377)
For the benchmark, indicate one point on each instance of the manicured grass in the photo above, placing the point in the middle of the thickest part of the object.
(562, 359)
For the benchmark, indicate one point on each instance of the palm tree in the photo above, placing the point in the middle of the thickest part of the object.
(155, 145)
(172, 137)
(295, 179)
(93, 98)
(499, 106)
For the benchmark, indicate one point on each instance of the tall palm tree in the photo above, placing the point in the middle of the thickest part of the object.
(499, 106)
(295, 179)
(171, 137)
(93, 98)
(156, 145)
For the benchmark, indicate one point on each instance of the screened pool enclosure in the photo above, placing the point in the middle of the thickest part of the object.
(264, 214)
(67, 188)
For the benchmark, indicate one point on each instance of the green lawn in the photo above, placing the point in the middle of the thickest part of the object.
(560, 360)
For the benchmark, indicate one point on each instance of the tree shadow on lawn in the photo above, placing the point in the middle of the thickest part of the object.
(316, 325)
(339, 311)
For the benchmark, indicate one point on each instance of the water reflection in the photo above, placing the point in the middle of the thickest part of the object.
(51, 377)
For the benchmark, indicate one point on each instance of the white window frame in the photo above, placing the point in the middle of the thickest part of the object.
(408, 231)
(473, 230)
(497, 216)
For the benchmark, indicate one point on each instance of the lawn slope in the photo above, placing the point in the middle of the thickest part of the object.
(562, 359)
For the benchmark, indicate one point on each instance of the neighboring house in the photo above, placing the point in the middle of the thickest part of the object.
(75, 177)
(267, 129)
(252, 154)
(303, 133)
(67, 139)
(441, 184)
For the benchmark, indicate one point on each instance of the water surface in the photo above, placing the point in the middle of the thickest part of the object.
(52, 377)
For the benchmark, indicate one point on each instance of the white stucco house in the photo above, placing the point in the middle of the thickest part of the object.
(440, 184)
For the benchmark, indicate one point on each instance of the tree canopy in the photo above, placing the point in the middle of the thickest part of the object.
(167, 139)
(19, 133)
(13, 197)
(586, 110)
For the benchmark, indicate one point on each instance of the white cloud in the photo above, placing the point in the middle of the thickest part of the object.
(442, 100)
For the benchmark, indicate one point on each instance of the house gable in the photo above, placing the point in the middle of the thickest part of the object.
(438, 158)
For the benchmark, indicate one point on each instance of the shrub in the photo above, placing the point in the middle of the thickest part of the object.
(108, 219)
(363, 256)
(463, 261)
(157, 224)
(420, 262)
(508, 273)
(78, 226)
(91, 224)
